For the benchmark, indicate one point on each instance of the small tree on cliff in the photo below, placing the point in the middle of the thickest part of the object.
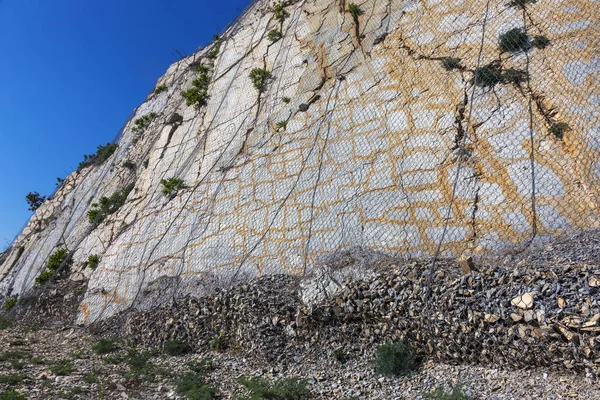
(34, 200)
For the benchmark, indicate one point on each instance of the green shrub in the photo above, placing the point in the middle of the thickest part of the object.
(284, 389)
(280, 13)
(55, 261)
(285, 99)
(514, 76)
(281, 124)
(59, 181)
(394, 359)
(11, 394)
(259, 77)
(450, 63)
(487, 76)
(129, 164)
(102, 154)
(219, 342)
(93, 261)
(355, 11)
(90, 378)
(143, 122)
(202, 366)
(558, 129)
(456, 394)
(108, 205)
(172, 185)
(34, 200)
(105, 346)
(192, 386)
(12, 379)
(521, 3)
(514, 40)
(540, 42)
(5, 322)
(160, 89)
(198, 94)
(12, 355)
(214, 52)
(174, 347)
(62, 367)
(10, 303)
(274, 35)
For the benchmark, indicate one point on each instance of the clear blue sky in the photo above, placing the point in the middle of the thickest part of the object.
(71, 73)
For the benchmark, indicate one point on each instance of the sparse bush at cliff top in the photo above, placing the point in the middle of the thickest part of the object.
(160, 89)
(34, 200)
(102, 154)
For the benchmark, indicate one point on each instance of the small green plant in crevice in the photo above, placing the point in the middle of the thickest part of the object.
(558, 129)
(12, 394)
(219, 342)
(487, 76)
(280, 13)
(451, 63)
(214, 52)
(129, 164)
(456, 394)
(108, 205)
(259, 77)
(355, 11)
(5, 322)
(143, 122)
(540, 42)
(394, 359)
(193, 386)
(93, 261)
(174, 347)
(55, 262)
(514, 76)
(105, 346)
(285, 99)
(171, 186)
(274, 35)
(103, 152)
(281, 124)
(197, 95)
(285, 389)
(159, 89)
(10, 303)
(521, 3)
(34, 200)
(513, 40)
(62, 368)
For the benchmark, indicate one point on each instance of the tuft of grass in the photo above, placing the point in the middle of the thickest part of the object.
(193, 386)
(259, 77)
(12, 355)
(487, 76)
(514, 76)
(355, 11)
(284, 389)
(93, 261)
(90, 378)
(139, 362)
(62, 368)
(540, 42)
(274, 35)
(285, 99)
(10, 303)
(171, 186)
(159, 89)
(281, 124)
(105, 346)
(11, 394)
(108, 205)
(451, 63)
(12, 379)
(55, 262)
(456, 394)
(558, 129)
(513, 40)
(174, 347)
(394, 359)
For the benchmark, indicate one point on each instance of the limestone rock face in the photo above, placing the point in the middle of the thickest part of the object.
(404, 130)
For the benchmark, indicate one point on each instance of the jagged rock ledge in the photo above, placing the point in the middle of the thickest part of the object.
(530, 316)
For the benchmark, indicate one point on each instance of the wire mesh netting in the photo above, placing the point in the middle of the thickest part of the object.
(425, 129)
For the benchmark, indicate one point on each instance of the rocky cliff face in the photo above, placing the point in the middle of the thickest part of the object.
(410, 127)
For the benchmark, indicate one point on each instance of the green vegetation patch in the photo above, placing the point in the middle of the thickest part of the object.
(487, 76)
(10, 303)
(193, 386)
(284, 389)
(513, 40)
(93, 261)
(558, 129)
(355, 11)
(540, 42)
(12, 394)
(214, 52)
(108, 205)
(451, 63)
(174, 347)
(514, 76)
(62, 368)
(456, 394)
(5, 322)
(274, 35)
(12, 379)
(34, 200)
(102, 154)
(259, 77)
(197, 95)
(171, 186)
(394, 359)
(53, 268)
(105, 346)
(280, 13)
(143, 122)
(159, 89)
